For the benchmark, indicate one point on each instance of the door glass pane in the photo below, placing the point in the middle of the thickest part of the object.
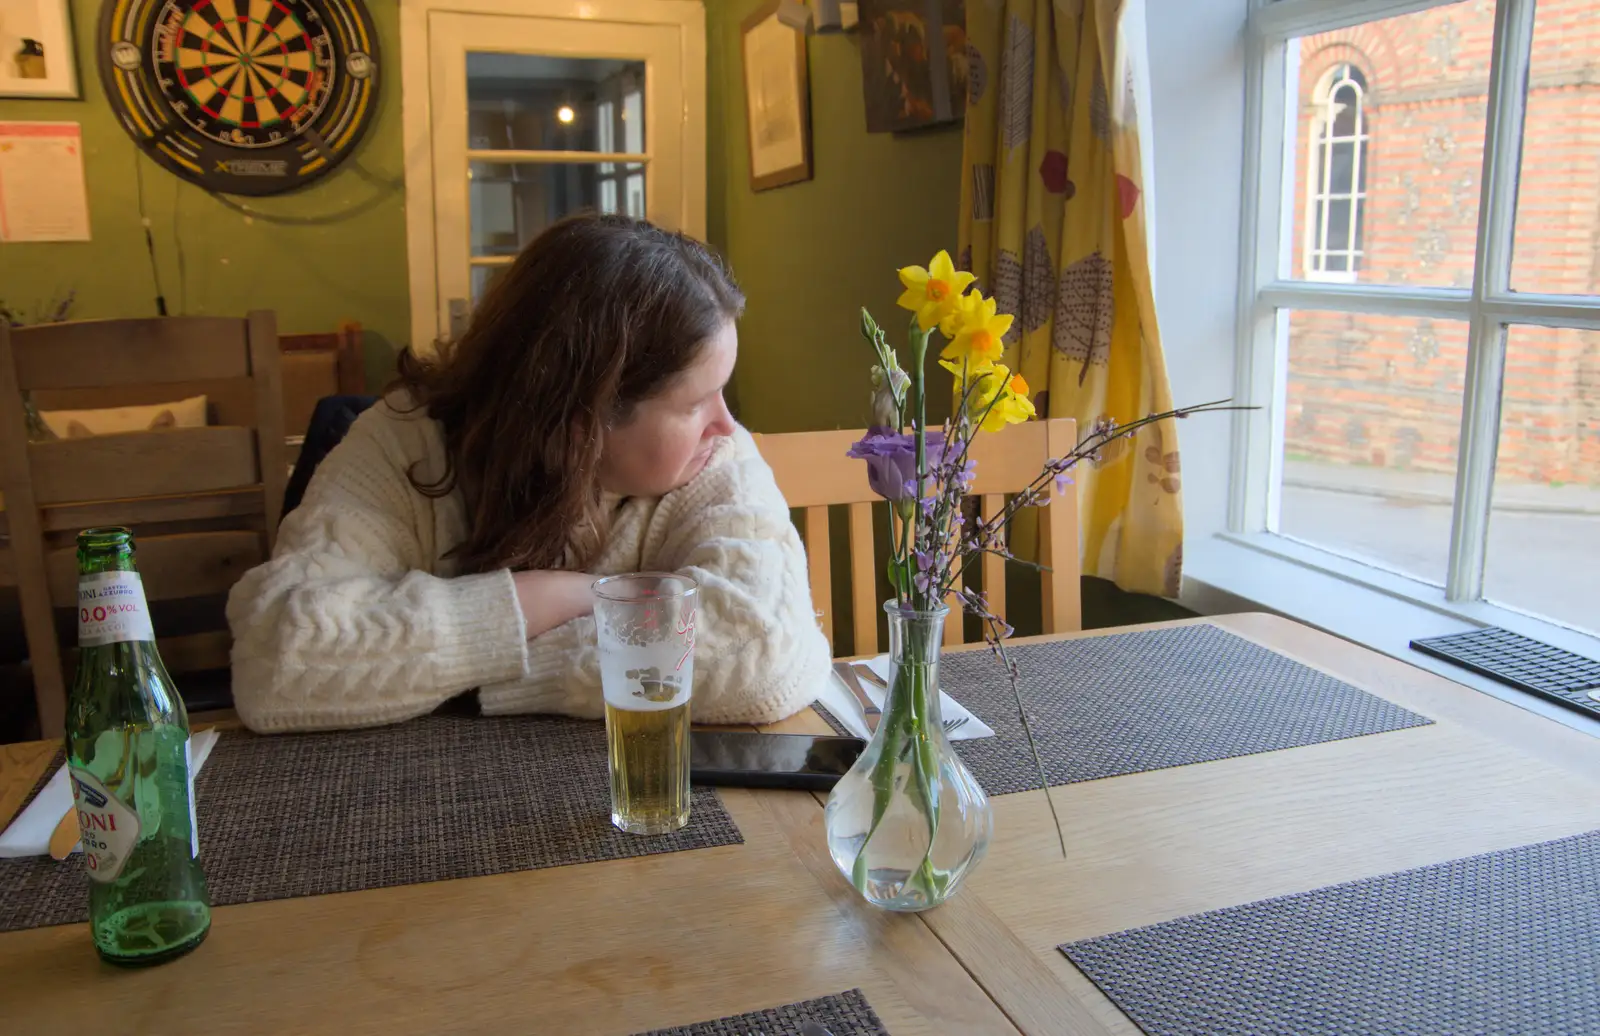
(511, 204)
(1558, 197)
(1544, 528)
(482, 278)
(1372, 421)
(1387, 152)
(533, 102)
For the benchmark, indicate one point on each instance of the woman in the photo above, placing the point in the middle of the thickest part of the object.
(577, 429)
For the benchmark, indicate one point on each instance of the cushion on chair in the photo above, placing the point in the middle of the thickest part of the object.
(78, 424)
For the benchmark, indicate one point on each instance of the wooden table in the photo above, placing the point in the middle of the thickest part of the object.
(628, 945)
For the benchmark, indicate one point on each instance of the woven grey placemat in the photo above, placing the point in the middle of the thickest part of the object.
(1129, 702)
(844, 1014)
(1492, 945)
(428, 800)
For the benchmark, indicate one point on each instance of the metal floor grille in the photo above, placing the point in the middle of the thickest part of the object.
(1524, 663)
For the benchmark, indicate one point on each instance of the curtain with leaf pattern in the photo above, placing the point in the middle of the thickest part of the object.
(1053, 222)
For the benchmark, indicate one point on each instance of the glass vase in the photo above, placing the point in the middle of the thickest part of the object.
(908, 823)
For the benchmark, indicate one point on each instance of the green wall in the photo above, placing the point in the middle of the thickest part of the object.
(343, 257)
(810, 255)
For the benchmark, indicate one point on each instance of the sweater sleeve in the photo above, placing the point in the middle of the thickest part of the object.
(759, 654)
(344, 626)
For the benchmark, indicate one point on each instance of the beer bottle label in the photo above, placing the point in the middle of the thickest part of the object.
(110, 829)
(111, 609)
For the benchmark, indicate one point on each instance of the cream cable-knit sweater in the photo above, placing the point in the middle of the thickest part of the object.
(360, 619)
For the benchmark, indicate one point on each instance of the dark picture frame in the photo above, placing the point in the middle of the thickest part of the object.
(39, 51)
(777, 91)
(914, 63)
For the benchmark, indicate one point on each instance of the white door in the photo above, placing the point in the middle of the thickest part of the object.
(536, 118)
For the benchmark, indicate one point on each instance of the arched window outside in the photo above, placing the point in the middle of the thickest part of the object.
(1336, 178)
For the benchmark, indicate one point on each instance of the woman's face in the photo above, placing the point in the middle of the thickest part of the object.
(670, 436)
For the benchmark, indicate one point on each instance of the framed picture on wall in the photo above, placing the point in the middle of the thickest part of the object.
(37, 56)
(913, 63)
(776, 97)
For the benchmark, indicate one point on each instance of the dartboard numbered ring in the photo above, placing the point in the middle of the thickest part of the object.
(242, 96)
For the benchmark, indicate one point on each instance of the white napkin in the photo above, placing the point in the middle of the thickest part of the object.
(839, 701)
(29, 834)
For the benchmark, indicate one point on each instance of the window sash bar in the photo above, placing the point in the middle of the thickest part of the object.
(1262, 208)
(1285, 18)
(1486, 352)
(506, 157)
(1445, 303)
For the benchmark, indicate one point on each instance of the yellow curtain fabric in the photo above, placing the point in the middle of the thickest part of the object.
(1053, 224)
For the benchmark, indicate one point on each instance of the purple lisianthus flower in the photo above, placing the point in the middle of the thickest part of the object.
(891, 458)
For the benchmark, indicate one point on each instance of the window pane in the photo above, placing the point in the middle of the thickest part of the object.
(1347, 105)
(1339, 225)
(1371, 424)
(1558, 197)
(511, 204)
(1342, 167)
(482, 277)
(1544, 529)
(1419, 152)
(531, 102)
(633, 119)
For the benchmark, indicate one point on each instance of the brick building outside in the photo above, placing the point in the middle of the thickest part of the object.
(1388, 166)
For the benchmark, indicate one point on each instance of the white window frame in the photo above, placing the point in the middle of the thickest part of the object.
(1319, 195)
(1489, 306)
(428, 322)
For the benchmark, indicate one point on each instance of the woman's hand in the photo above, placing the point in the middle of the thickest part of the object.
(551, 599)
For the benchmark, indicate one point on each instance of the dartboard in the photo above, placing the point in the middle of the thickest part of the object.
(242, 96)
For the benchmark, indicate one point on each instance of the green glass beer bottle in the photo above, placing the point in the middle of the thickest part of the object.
(128, 753)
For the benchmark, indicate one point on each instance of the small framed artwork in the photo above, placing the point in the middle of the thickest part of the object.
(777, 104)
(37, 56)
(913, 63)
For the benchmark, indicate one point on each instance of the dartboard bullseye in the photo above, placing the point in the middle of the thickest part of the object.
(242, 96)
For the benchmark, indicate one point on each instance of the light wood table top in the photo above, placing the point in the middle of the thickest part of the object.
(630, 945)
(1150, 847)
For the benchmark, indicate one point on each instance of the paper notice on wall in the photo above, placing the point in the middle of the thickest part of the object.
(42, 193)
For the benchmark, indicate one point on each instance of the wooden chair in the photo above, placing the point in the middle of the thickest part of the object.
(203, 502)
(315, 365)
(323, 363)
(814, 473)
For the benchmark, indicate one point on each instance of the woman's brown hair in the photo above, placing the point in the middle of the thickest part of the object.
(595, 315)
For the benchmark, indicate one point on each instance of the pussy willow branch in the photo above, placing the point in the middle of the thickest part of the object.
(1088, 446)
(997, 644)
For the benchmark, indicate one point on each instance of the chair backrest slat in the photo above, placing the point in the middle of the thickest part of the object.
(863, 579)
(167, 462)
(994, 566)
(1058, 541)
(813, 472)
(84, 353)
(171, 567)
(223, 505)
(819, 557)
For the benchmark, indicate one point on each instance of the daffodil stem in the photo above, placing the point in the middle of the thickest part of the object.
(919, 354)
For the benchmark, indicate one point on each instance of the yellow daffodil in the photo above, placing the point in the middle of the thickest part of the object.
(960, 313)
(998, 397)
(977, 333)
(933, 293)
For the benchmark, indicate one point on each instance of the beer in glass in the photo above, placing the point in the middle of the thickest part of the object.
(645, 623)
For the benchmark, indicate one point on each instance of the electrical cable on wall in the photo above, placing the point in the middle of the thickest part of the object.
(149, 239)
(177, 244)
